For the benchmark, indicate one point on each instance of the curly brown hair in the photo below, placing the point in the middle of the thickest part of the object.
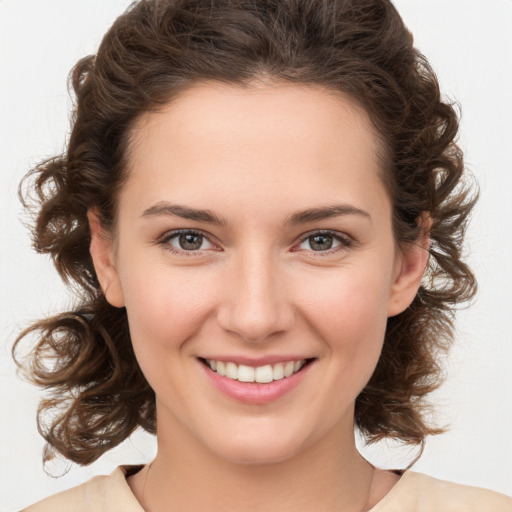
(97, 393)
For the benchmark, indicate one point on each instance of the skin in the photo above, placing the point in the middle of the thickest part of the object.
(254, 157)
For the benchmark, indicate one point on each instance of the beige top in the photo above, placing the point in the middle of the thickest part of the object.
(414, 492)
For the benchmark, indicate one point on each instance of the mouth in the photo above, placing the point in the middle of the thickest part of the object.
(264, 374)
(256, 385)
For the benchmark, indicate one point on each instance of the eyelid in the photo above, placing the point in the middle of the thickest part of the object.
(166, 237)
(345, 240)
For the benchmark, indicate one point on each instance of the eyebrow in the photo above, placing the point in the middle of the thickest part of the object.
(300, 217)
(184, 212)
(316, 214)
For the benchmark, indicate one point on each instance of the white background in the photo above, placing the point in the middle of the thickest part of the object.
(469, 43)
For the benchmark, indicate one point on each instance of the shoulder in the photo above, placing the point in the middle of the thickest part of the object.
(100, 494)
(84, 498)
(422, 493)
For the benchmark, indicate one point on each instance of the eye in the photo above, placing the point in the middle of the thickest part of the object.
(324, 241)
(186, 240)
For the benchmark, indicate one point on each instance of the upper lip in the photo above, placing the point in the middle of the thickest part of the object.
(256, 361)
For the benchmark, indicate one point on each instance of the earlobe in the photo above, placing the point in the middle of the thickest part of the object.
(102, 254)
(411, 264)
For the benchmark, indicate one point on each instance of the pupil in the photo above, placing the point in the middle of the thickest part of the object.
(190, 242)
(320, 242)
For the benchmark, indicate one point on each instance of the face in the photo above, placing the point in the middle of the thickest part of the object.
(254, 238)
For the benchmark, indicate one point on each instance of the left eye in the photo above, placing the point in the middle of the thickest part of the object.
(321, 242)
(188, 241)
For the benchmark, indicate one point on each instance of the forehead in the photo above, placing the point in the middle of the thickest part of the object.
(256, 139)
(211, 105)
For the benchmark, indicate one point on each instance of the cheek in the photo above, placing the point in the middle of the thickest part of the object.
(350, 315)
(164, 310)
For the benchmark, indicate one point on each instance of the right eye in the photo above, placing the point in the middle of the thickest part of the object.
(185, 241)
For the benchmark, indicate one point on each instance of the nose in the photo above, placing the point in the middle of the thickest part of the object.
(255, 303)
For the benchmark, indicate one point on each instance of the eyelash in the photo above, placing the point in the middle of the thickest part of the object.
(345, 242)
(164, 241)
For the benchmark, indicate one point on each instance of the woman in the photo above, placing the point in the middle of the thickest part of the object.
(249, 199)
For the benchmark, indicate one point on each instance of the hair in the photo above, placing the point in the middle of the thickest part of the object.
(97, 395)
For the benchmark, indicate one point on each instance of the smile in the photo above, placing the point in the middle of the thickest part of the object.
(260, 374)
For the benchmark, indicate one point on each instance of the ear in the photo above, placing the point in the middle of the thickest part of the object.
(102, 253)
(412, 260)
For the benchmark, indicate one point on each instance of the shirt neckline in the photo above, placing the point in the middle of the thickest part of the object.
(129, 470)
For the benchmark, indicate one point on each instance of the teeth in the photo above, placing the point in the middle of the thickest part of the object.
(245, 373)
(221, 368)
(278, 371)
(264, 374)
(261, 374)
(231, 371)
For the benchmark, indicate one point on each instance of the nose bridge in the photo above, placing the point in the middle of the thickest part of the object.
(256, 305)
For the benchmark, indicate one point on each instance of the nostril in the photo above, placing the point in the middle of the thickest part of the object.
(255, 322)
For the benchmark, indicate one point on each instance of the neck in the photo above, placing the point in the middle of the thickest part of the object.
(186, 476)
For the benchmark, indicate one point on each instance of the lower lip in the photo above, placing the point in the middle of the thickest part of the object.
(254, 392)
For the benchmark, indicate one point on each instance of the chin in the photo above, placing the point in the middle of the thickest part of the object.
(257, 455)
(258, 447)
